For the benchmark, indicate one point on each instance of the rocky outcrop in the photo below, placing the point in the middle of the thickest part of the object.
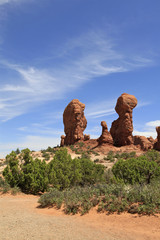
(144, 143)
(152, 140)
(86, 137)
(157, 143)
(74, 122)
(105, 137)
(122, 128)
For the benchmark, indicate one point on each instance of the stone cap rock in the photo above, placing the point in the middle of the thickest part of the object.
(125, 103)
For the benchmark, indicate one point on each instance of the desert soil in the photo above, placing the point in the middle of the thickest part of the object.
(20, 219)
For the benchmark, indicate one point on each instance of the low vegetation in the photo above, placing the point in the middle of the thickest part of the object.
(34, 176)
(107, 198)
(5, 187)
(112, 157)
(79, 184)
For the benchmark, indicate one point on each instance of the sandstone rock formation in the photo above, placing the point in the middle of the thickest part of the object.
(74, 122)
(62, 140)
(157, 143)
(86, 137)
(122, 128)
(152, 140)
(143, 142)
(105, 137)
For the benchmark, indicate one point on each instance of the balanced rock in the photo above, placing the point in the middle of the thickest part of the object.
(74, 122)
(143, 142)
(122, 128)
(105, 137)
(157, 143)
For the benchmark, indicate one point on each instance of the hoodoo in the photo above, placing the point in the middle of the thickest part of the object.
(105, 137)
(122, 128)
(157, 143)
(74, 122)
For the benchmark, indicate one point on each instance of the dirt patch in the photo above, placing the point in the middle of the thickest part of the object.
(20, 219)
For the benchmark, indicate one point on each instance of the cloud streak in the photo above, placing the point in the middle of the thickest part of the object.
(82, 59)
(100, 109)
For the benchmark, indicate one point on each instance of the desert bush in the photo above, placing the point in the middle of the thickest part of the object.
(86, 155)
(94, 152)
(96, 160)
(4, 186)
(153, 155)
(30, 176)
(110, 156)
(46, 156)
(107, 197)
(15, 190)
(12, 173)
(136, 170)
(17, 151)
(64, 172)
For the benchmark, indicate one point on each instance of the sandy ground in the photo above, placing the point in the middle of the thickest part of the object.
(20, 219)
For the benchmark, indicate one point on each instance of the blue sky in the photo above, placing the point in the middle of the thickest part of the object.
(52, 51)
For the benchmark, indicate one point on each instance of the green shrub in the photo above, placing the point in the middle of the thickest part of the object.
(136, 170)
(46, 156)
(110, 157)
(96, 160)
(17, 151)
(30, 176)
(153, 155)
(12, 173)
(64, 172)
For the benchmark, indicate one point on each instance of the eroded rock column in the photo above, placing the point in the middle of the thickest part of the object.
(157, 143)
(122, 128)
(105, 137)
(74, 122)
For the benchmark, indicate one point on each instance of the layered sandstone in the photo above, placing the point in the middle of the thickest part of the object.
(105, 137)
(122, 128)
(74, 122)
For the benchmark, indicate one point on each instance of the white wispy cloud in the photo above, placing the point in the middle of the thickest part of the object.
(82, 59)
(148, 129)
(153, 124)
(100, 109)
(40, 129)
(2, 2)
